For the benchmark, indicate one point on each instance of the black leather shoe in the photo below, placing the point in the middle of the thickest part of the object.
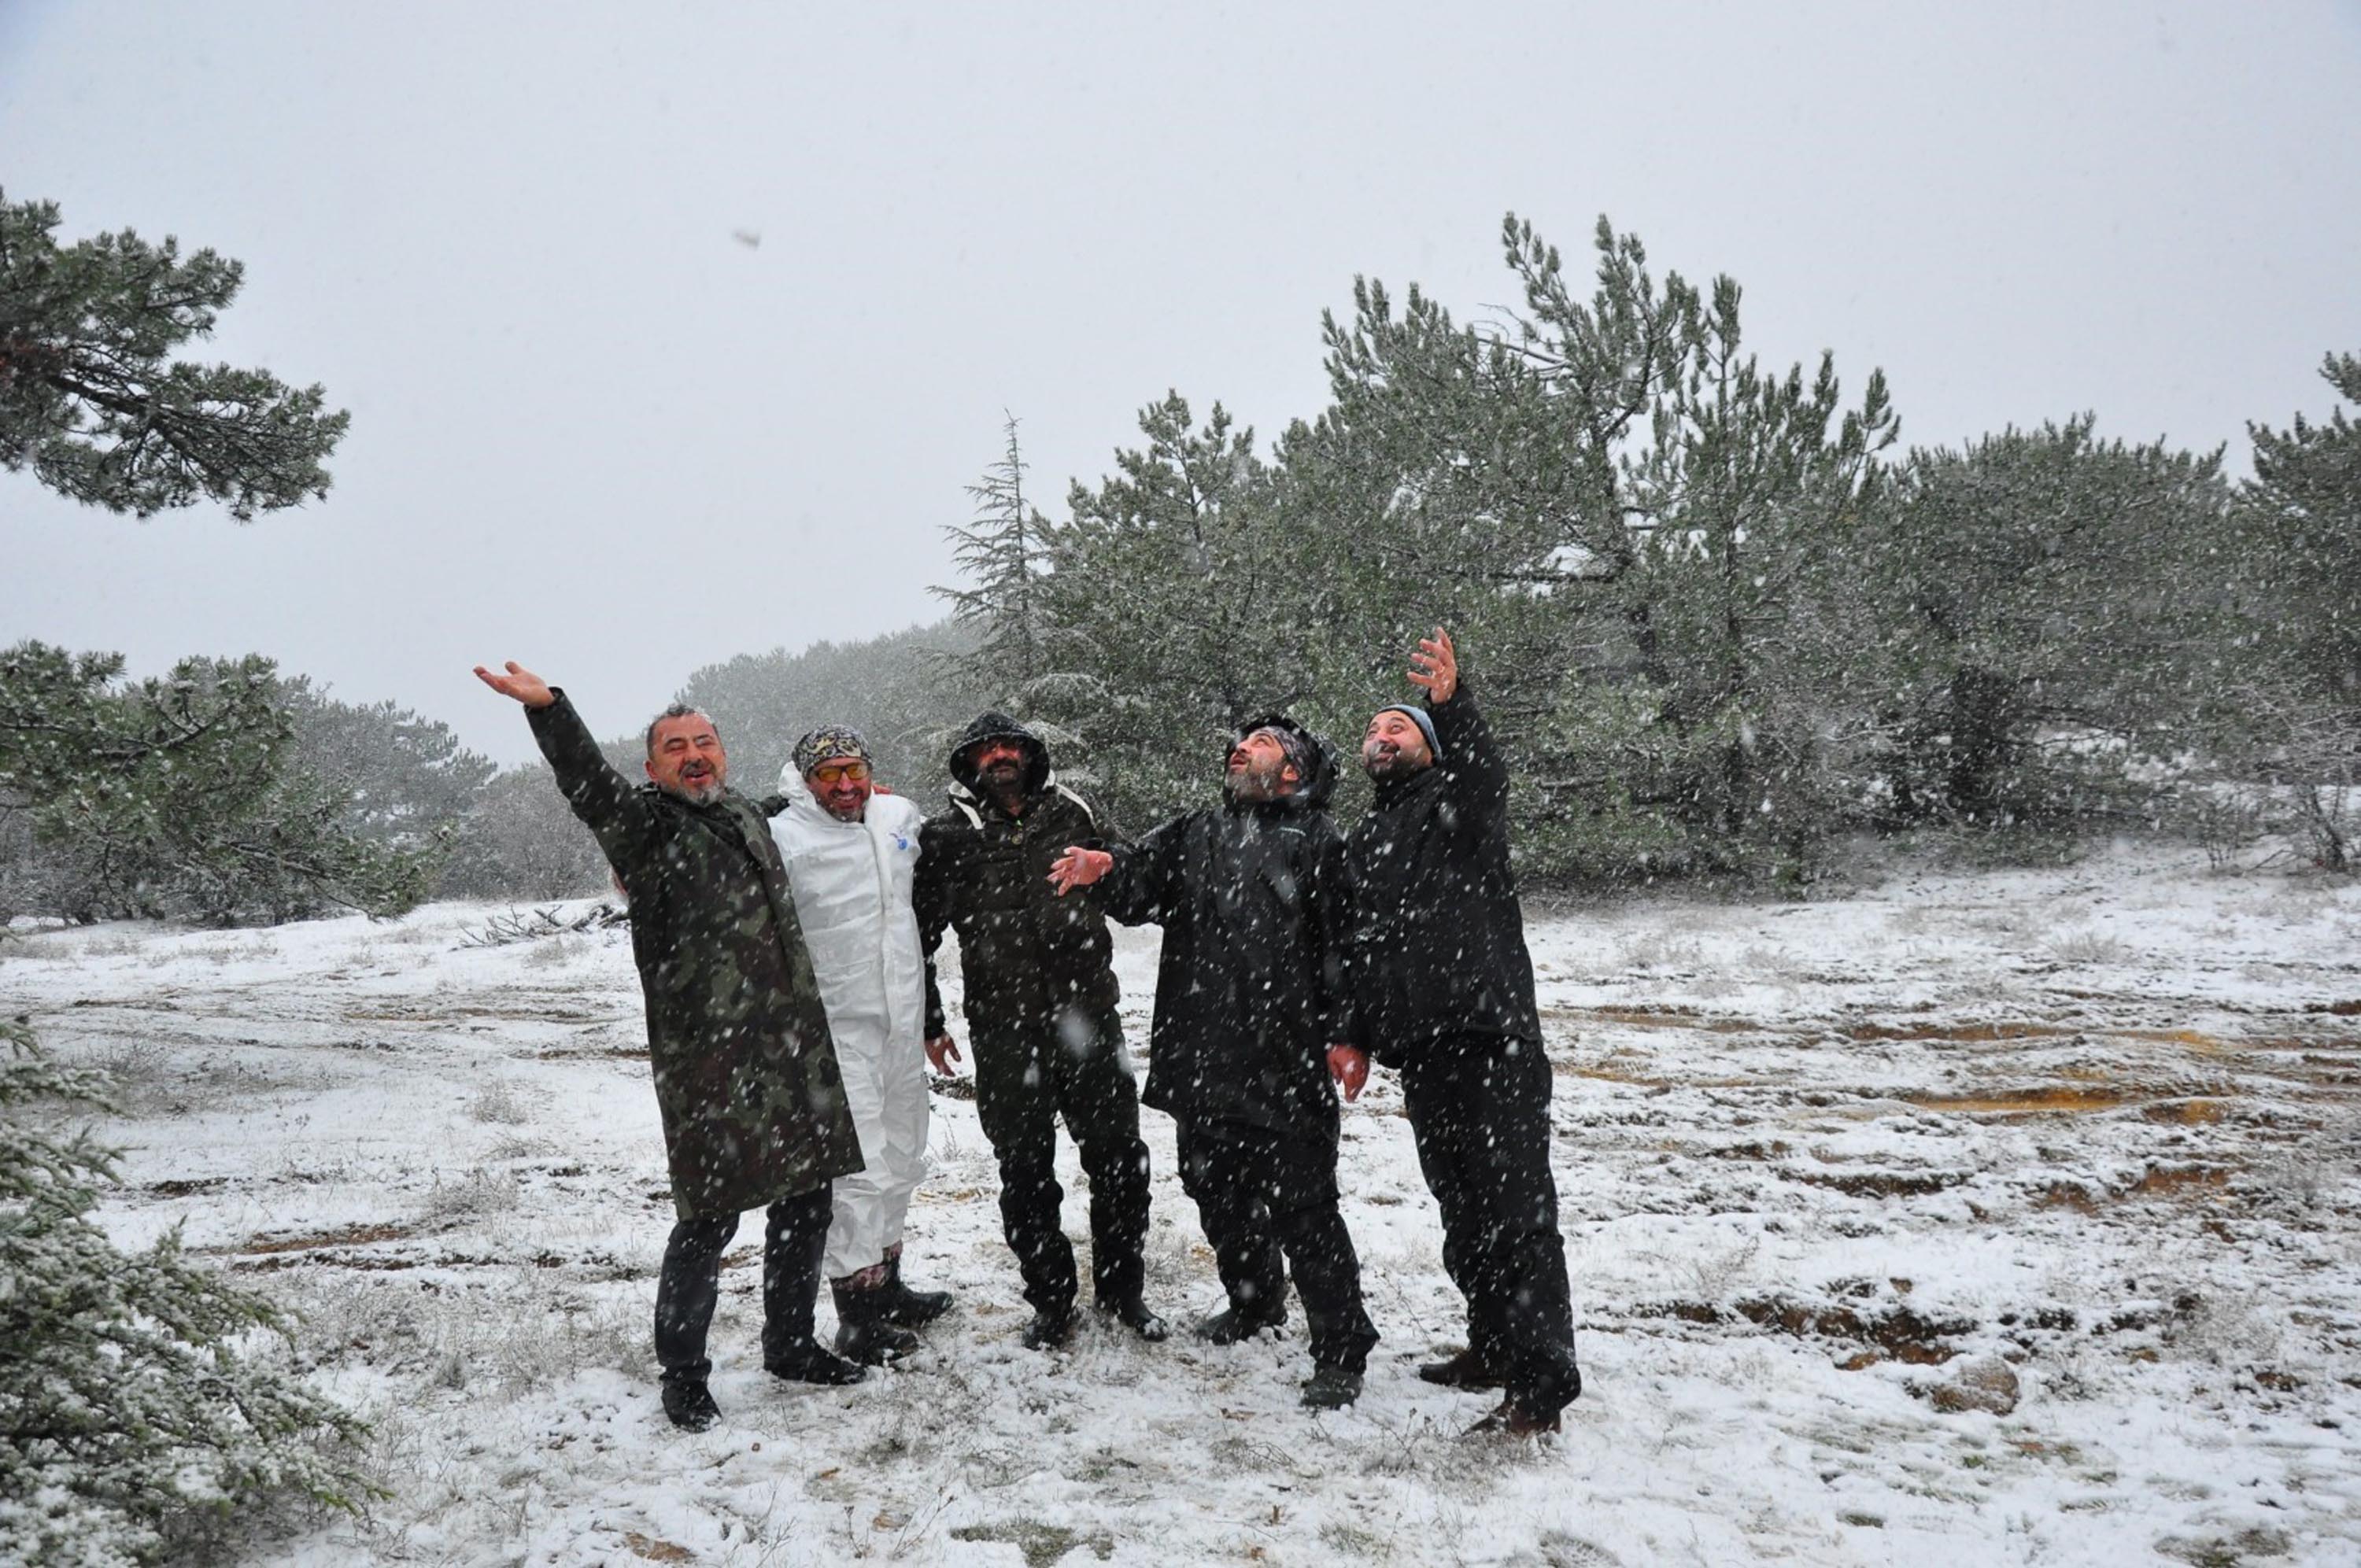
(1465, 1370)
(1234, 1323)
(689, 1406)
(1049, 1331)
(1332, 1388)
(811, 1362)
(1138, 1317)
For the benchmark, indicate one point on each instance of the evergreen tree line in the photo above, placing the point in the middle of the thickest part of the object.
(1720, 613)
(227, 794)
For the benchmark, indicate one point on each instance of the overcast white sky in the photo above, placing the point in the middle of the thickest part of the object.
(593, 432)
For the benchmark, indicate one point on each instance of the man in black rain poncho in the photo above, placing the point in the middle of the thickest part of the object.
(1040, 993)
(1444, 990)
(1248, 999)
(745, 1070)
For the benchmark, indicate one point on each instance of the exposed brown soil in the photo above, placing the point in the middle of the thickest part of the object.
(2188, 1113)
(1880, 1183)
(1899, 1334)
(2162, 1181)
(1965, 1034)
(1665, 1019)
(183, 1189)
(2051, 1099)
(2157, 1181)
(351, 1235)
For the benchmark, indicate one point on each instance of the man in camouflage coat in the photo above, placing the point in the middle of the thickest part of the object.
(745, 1073)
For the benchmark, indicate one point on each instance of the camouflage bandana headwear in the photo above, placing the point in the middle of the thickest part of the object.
(829, 743)
(1294, 745)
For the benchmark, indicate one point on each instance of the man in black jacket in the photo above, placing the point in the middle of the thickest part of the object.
(1445, 992)
(1040, 997)
(1249, 997)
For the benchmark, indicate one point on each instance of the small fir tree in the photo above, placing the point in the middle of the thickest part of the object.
(130, 1419)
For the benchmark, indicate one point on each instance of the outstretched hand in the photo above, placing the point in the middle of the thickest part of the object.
(519, 683)
(1435, 668)
(1079, 867)
(1349, 1066)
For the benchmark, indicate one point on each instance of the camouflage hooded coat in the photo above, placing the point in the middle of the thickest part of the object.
(745, 1072)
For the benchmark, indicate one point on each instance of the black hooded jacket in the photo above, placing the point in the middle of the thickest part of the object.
(1439, 936)
(1250, 992)
(1026, 954)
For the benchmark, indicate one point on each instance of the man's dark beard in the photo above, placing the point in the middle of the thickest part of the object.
(1006, 780)
(1396, 765)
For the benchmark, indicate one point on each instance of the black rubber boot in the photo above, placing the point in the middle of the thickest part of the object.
(812, 1361)
(1138, 1317)
(688, 1404)
(1234, 1323)
(910, 1309)
(1332, 1388)
(862, 1332)
(1049, 1331)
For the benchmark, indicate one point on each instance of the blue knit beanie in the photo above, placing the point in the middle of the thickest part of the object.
(1418, 717)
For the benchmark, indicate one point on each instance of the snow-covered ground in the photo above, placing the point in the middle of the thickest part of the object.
(2086, 1137)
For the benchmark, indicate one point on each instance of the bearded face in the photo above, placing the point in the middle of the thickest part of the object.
(1394, 748)
(686, 759)
(1000, 766)
(1258, 770)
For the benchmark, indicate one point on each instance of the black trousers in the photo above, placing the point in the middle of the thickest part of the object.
(1260, 1193)
(1479, 1113)
(1026, 1080)
(793, 1240)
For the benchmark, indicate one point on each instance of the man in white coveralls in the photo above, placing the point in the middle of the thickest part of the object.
(850, 853)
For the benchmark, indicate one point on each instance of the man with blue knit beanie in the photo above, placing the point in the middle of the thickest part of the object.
(1443, 991)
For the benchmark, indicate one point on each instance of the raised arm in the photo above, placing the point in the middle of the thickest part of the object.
(1470, 758)
(1137, 884)
(600, 796)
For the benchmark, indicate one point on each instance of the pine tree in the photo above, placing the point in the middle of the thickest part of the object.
(1167, 613)
(2299, 695)
(1000, 552)
(178, 796)
(2034, 615)
(91, 403)
(126, 1417)
(405, 778)
(1630, 521)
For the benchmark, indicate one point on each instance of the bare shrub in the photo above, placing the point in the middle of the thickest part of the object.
(500, 1101)
(477, 1194)
(555, 954)
(1660, 951)
(252, 950)
(2087, 946)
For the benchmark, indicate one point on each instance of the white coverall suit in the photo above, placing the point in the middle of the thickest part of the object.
(852, 883)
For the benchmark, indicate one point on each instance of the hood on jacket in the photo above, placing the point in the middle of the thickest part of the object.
(1312, 794)
(801, 802)
(999, 727)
